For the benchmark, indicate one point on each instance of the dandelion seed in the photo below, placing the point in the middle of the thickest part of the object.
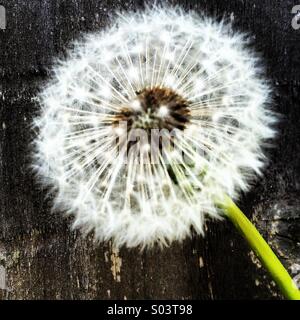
(163, 111)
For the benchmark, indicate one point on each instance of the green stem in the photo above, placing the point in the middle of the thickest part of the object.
(262, 249)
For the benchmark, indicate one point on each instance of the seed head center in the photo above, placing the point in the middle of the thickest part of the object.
(156, 108)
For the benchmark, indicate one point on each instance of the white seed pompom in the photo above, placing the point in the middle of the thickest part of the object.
(162, 74)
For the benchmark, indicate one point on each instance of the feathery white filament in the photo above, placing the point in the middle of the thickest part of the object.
(129, 198)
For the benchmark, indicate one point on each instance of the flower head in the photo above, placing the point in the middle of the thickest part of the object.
(147, 123)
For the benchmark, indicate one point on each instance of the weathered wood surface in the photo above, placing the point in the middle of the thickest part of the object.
(41, 258)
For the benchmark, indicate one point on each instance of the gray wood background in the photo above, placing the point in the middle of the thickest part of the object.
(41, 258)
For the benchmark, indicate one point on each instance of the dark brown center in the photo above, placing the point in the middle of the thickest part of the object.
(156, 108)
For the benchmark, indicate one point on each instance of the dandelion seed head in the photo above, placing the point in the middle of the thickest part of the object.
(148, 122)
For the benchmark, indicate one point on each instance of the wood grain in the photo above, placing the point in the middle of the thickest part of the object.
(42, 258)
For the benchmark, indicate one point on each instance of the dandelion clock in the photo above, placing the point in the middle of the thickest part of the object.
(153, 125)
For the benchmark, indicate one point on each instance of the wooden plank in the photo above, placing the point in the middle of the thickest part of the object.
(41, 258)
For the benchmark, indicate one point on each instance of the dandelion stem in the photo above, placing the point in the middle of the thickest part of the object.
(262, 249)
